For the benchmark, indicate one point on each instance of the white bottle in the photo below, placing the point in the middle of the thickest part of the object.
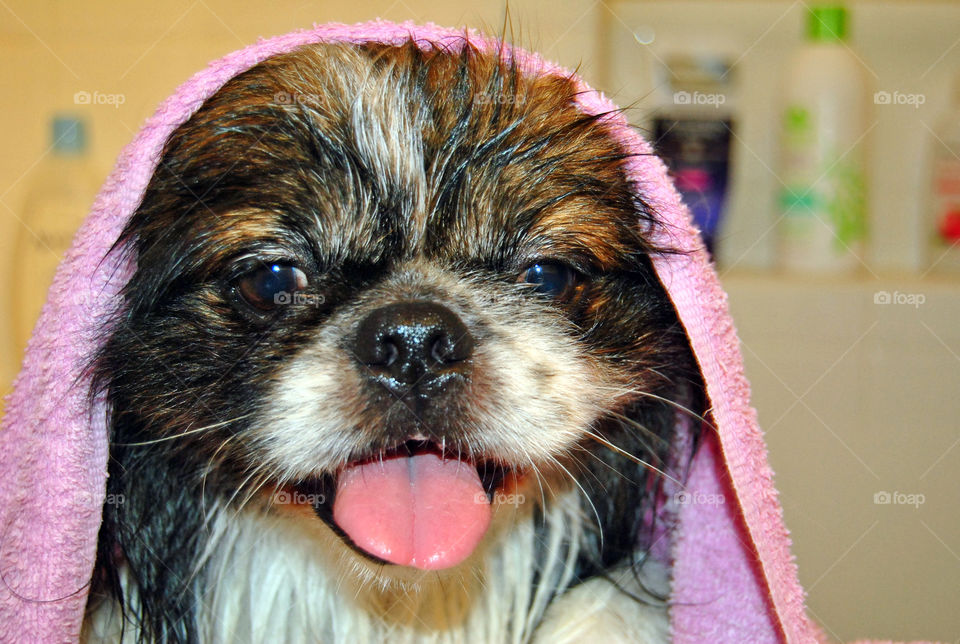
(822, 204)
(62, 188)
(943, 255)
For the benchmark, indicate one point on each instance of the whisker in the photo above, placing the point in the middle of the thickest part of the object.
(674, 404)
(186, 433)
(639, 461)
(259, 485)
(539, 479)
(253, 472)
(630, 391)
(211, 466)
(596, 513)
(587, 471)
(644, 430)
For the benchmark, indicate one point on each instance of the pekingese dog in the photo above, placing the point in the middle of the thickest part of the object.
(394, 365)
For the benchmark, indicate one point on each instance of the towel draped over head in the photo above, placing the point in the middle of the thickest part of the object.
(734, 579)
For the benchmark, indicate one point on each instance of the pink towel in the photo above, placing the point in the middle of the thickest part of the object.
(734, 577)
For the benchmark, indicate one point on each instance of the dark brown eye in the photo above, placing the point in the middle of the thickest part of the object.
(271, 286)
(550, 278)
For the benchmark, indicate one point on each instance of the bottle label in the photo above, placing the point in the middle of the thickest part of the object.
(823, 201)
(697, 153)
(946, 200)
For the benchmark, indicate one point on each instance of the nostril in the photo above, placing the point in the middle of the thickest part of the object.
(378, 352)
(390, 352)
(445, 350)
(440, 348)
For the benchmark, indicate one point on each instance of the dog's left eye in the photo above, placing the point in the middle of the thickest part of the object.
(272, 285)
(550, 278)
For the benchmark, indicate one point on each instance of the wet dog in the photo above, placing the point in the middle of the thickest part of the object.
(393, 365)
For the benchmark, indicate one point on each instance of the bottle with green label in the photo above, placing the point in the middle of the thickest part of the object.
(821, 209)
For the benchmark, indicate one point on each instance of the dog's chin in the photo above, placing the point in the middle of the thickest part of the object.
(406, 508)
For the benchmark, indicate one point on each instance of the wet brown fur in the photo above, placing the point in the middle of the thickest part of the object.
(356, 162)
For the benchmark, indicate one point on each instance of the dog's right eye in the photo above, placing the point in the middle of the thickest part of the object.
(550, 278)
(271, 286)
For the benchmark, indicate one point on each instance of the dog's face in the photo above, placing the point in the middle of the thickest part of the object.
(392, 282)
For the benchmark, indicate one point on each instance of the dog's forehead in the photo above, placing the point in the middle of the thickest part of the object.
(390, 152)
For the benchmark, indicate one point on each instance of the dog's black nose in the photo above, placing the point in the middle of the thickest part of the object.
(414, 343)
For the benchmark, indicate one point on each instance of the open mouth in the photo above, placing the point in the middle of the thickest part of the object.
(413, 505)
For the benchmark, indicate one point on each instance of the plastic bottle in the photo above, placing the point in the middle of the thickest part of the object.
(822, 205)
(61, 191)
(943, 254)
(693, 127)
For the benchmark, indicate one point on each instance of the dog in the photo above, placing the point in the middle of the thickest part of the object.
(393, 365)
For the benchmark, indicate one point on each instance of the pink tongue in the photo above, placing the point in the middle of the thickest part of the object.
(420, 511)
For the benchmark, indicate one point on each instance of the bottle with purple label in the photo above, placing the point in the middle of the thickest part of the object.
(692, 133)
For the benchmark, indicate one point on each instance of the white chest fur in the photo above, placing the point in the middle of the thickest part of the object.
(267, 579)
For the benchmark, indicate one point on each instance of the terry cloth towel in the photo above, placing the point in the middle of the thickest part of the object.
(734, 579)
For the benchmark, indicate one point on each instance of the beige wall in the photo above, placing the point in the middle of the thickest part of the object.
(876, 386)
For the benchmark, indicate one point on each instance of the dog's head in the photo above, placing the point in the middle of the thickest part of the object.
(392, 283)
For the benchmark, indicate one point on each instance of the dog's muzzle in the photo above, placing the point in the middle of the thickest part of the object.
(408, 500)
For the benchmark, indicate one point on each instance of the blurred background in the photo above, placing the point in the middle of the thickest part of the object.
(822, 160)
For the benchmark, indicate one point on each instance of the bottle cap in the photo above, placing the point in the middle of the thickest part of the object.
(827, 23)
(69, 135)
